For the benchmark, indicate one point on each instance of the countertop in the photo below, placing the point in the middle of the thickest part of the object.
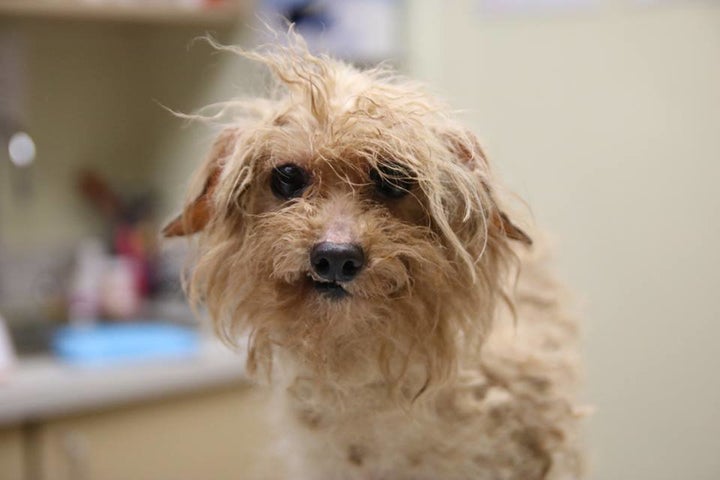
(39, 388)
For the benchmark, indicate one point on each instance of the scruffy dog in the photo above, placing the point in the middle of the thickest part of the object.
(355, 231)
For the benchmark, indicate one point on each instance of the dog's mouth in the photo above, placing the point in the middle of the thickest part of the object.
(332, 290)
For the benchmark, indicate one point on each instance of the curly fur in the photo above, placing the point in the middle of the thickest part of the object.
(422, 373)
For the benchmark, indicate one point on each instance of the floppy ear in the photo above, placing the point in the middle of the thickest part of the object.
(468, 149)
(199, 211)
(511, 230)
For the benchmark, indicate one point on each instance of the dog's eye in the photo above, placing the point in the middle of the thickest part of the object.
(392, 180)
(289, 181)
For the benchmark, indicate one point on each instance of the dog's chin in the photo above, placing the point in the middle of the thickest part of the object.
(306, 286)
(330, 290)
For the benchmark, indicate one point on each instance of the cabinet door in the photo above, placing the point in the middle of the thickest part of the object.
(11, 454)
(218, 435)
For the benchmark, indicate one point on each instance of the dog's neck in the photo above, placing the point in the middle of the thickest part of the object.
(357, 383)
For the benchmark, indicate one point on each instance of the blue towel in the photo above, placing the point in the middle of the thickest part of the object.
(105, 344)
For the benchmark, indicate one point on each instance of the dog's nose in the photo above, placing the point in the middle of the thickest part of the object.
(337, 262)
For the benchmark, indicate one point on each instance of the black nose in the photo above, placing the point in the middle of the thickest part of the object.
(337, 262)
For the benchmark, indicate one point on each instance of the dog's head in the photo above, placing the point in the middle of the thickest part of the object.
(349, 221)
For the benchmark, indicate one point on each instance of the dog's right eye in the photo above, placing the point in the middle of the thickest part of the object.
(392, 180)
(289, 181)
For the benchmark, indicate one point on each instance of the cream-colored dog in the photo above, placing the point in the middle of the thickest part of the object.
(354, 230)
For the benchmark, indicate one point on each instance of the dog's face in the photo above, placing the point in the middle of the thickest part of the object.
(348, 220)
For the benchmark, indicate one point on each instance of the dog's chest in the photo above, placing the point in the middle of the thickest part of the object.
(369, 442)
(368, 438)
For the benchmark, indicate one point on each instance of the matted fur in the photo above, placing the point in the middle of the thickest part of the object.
(411, 377)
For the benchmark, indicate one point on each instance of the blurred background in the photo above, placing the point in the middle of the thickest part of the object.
(603, 114)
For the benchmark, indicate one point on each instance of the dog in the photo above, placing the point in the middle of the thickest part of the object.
(411, 328)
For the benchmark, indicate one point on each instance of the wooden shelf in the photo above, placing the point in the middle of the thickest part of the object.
(226, 13)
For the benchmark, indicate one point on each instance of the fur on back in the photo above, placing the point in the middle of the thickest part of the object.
(453, 357)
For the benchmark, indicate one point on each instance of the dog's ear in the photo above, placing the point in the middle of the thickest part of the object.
(512, 231)
(199, 211)
(469, 151)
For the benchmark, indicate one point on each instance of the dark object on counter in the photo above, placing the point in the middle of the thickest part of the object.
(32, 337)
(132, 233)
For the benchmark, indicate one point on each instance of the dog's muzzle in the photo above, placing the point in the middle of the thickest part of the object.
(334, 264)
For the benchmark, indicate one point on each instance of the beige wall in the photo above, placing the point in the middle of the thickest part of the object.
(608, 123)
(79, 79)
(93, 97)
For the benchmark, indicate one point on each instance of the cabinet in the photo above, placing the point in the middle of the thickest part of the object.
(218, 434)
(11, 454)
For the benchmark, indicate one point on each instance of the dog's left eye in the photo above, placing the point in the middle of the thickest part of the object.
(391, 180)
(289, 181)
